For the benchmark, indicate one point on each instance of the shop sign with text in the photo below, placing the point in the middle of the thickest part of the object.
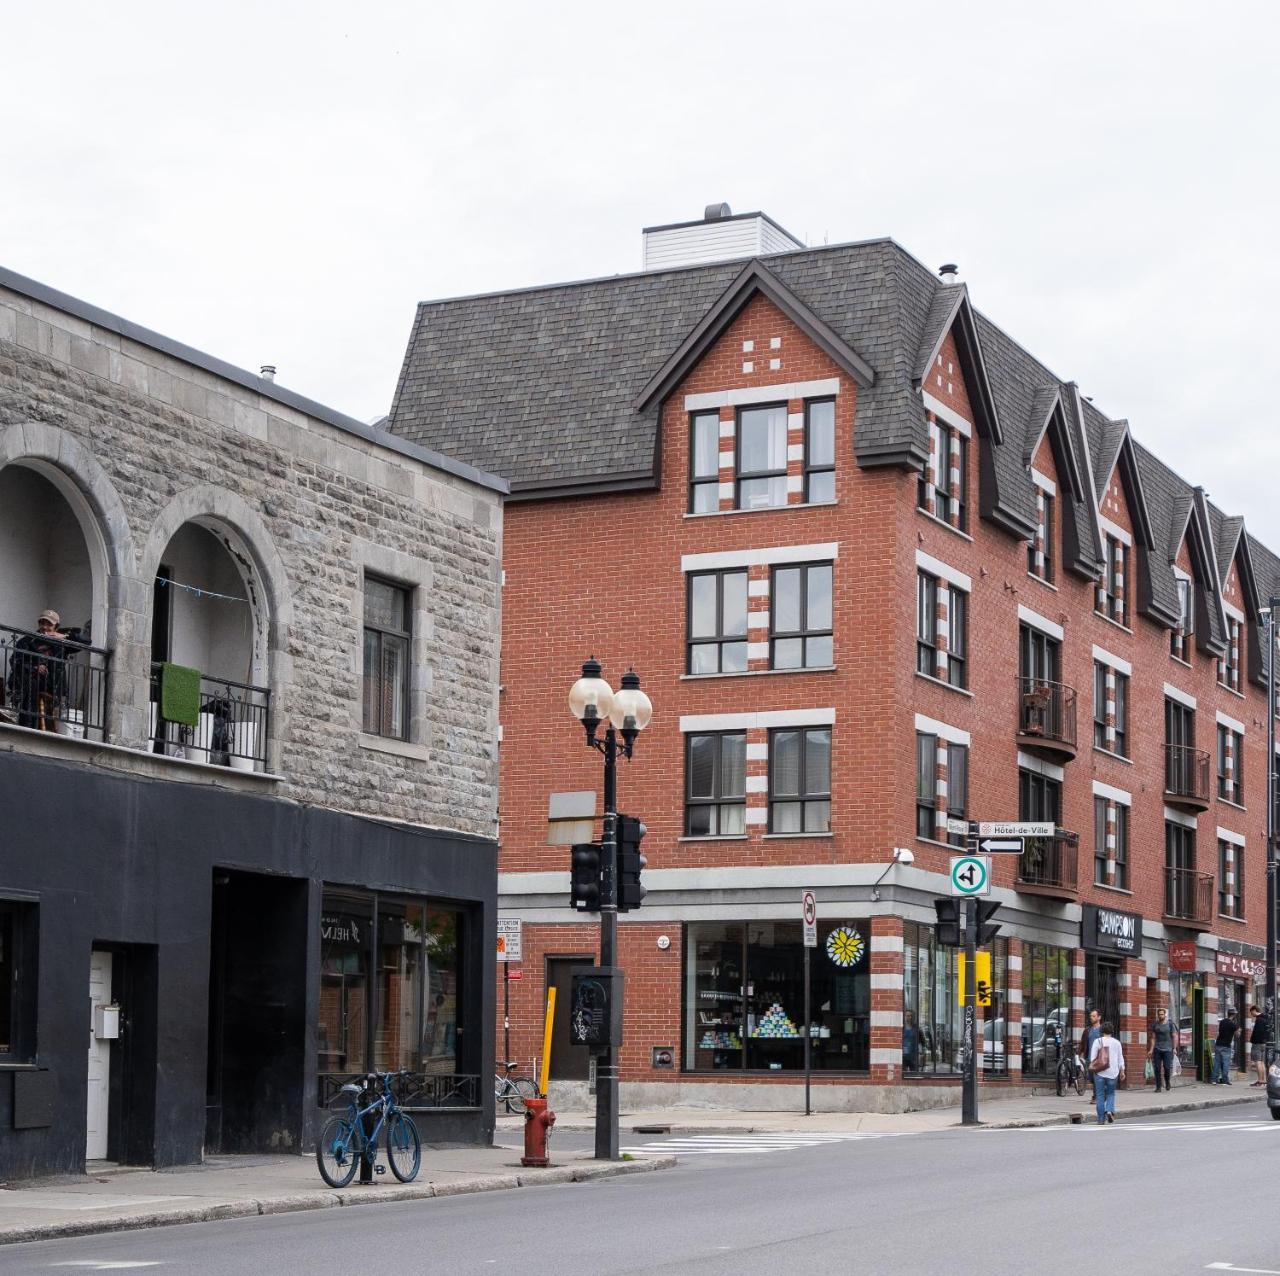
(1241, 967)
(1182, 955)
(1107, 930)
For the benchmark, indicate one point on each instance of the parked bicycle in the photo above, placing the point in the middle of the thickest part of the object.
(348, 1139)
(1071, 1069)
(513, 1091)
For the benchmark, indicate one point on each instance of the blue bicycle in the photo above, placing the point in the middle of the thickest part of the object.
(346, 1140)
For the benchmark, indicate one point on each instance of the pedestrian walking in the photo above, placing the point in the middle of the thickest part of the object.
(1222, 1048)
(1164, 1043)
(1259, 1035)
(1093, 1030)
(1106, 1063)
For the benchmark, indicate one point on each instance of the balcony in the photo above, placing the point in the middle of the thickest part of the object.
(1047, 718)
(231, 730)
(1188, 898)
(51, 682)
(1050, 866)
(1186, 777)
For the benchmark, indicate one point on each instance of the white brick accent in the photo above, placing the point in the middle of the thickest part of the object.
(889, 981)
(746, 721)
(765, 556)
(748, 395)
(1180, 696)
(952, 735)
(935, 567)
(1115, 662)
(944, 413)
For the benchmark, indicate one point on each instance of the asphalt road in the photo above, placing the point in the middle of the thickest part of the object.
(1190, 1192)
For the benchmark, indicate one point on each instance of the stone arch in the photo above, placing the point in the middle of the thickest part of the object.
(70, 466)
(245, 536)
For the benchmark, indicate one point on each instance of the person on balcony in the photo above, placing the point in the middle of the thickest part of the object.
(38, 673)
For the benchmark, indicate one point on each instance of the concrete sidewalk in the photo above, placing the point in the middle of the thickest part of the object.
(1026, 1109)
(108, 1199)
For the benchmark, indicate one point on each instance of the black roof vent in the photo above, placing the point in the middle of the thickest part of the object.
(950, 272)
(717, 212)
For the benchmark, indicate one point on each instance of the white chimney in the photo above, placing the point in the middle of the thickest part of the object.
(719, 236)
(267, 372)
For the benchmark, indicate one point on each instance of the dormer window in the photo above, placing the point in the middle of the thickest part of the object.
(1180, 638)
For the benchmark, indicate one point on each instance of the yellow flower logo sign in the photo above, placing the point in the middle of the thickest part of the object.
(845, 946)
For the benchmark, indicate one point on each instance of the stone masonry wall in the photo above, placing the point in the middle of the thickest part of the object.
(150, 442)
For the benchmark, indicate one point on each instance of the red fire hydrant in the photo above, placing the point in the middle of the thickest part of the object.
(537, 1126)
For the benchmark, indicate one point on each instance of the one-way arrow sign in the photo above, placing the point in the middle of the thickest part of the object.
(992, 846)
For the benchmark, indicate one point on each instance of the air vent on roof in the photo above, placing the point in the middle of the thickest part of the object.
(719, 236)
(267, 372)
(950, 273)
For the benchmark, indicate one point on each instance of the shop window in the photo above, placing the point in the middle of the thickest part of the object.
(346, 931)
(704, 463)
(386, 658)
(800, 625)
(18, 948)
(744, 997)
(718, 622)
(716, 784)
(800, 780)
(1046, 1008)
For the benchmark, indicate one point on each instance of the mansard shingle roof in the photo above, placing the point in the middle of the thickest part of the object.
(541, 385)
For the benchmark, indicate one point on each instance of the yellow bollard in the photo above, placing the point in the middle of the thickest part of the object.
(546, 1042)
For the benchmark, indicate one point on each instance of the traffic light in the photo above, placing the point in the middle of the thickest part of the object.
(987, 929)
(584, 890)
(948, 911)
(630, 863)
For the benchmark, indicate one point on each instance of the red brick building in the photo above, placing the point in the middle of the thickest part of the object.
(878, 568)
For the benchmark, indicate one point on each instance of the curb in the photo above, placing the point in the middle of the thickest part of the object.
(323, 1200)
(1151, 1110)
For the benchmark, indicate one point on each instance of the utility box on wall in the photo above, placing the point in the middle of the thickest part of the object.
(106, 1022)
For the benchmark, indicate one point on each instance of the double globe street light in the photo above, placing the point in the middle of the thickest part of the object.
(623, 713)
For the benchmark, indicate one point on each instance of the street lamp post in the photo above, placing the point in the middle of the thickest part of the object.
(627, 712)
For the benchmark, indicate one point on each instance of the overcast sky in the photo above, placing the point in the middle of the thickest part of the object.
(280, 183)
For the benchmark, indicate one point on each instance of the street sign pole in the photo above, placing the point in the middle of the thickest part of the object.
(969, 1103)
(506, 1015)
(809, 913)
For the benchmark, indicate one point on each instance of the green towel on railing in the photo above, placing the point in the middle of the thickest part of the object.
(180, 694)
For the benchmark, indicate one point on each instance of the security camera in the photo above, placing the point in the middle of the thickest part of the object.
(904, 855)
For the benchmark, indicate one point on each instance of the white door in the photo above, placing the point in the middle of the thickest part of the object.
(99, 1059)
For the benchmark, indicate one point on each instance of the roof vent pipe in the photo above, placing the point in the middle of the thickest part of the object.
(267, 372)
(950, 273)
(716, 212)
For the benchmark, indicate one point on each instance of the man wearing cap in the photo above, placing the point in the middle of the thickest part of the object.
(38, 672)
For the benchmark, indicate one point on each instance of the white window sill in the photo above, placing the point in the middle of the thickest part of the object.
(1115, 624)
(397, 748)
(768, 509)
(1222, 686)
(1227, 917)
(1040, 580)
(754, 673)
(942, 522)
(948, 686)
(1234, 805)
(1115, 757)
(1178, 660)
(791, 837)
(1115, 890)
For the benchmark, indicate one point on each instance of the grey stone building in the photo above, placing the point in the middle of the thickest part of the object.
(248, 753)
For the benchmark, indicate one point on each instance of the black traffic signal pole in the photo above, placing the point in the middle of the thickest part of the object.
(1273, 604)
(969, 1101)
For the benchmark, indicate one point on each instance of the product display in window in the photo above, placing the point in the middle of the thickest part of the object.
(776, 1024)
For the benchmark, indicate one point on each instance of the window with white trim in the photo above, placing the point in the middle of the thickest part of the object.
(926, 785)
(1230, 666)
(717, 625)
(715, 784)
(704, 462)
(1110, 600)
(1180, 637)
(1230, 765)
(1230, 879)
(387, 644)
(800, 634)
(820, 450)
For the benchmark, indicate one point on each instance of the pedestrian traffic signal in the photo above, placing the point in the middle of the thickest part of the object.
(948, 932)
(584, 889)
(987, 929)
(630, 863)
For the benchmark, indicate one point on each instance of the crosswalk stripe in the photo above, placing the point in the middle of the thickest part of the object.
(750, 1144)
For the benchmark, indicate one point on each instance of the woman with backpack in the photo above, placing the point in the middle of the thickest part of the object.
(1106, 1063)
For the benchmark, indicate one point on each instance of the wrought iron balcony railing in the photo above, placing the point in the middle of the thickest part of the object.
(1186, 776)
(231, 730)
(1047, 715)
(53, 682)
(1188, 898)
(1051, 865)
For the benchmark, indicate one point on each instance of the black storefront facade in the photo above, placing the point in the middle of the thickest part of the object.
(1108, 936)
(248, 952)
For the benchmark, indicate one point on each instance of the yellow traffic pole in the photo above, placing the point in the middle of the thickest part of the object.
(546, 1042)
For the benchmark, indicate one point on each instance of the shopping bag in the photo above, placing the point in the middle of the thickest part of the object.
(1177, 1065)
(1148, 1072)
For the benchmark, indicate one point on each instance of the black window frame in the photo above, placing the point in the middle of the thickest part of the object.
(943, 501)
(1109, 598)
(1231, 904)
(1182, 634)
(804, 633)
(1100, 805)
(1233, 790)
(806, 797)
(957, 637)
(1121, 859)
(1039, 796)
(927, 785)
(927, 606)
(1100, 705)
(739, 475)
(957, 786)
(1121, 746)
(1049, 567)
(810, 468)
(1229, 671)
(718, 799)
(382, 632)
(20, 927)
(720, 639)
(695, 480)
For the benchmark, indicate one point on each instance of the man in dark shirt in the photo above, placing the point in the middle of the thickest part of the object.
(1164, 1041)
(1222, 1051)
(1259, 1034)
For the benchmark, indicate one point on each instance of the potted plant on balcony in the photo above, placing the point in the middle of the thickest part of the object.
(1035, 710)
